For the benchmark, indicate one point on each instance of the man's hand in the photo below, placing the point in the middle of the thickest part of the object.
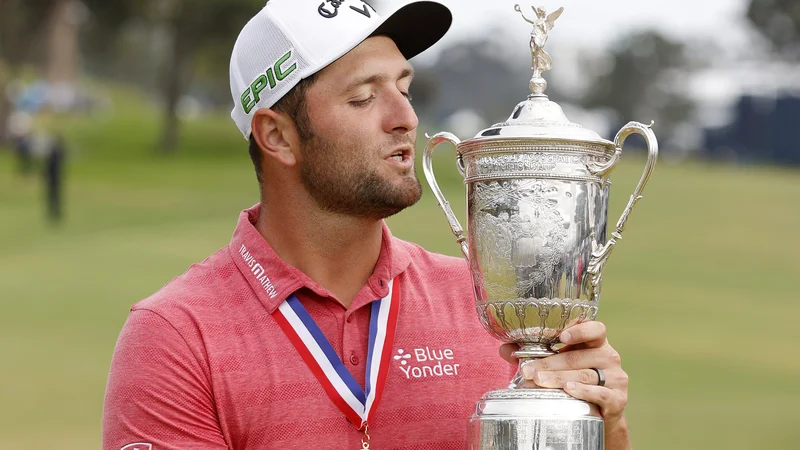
(571, 369)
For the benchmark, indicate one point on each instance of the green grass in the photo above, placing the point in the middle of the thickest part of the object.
(698, 297)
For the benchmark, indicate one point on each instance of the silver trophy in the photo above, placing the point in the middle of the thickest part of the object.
(537, 205)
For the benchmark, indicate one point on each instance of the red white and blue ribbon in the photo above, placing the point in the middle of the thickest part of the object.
(357, 404)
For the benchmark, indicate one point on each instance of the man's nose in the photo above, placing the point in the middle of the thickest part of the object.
(400, 116)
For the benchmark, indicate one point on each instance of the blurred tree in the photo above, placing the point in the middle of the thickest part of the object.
(62, 53)
(643, 78)
(448, 86)
(21, 31)
(779, 21)
(193, 29)
(22, 23)
(424, 89)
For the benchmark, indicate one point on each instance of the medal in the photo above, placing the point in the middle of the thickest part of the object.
(365, 438)
(357, 404)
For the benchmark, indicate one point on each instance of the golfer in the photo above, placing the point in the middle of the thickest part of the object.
(315, 328)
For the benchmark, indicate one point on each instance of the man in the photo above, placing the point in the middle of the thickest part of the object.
(315, 328)
(53, 174)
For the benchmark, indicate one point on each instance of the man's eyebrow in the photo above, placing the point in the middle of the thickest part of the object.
(379, 78)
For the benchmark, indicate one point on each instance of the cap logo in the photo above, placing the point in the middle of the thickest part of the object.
(274, 75)
(335, 4)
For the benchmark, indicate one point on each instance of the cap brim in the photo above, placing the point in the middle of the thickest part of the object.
(416, 26)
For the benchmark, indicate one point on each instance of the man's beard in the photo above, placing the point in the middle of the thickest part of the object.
(344, 183)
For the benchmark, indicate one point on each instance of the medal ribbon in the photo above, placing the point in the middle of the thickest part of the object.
(357, 404)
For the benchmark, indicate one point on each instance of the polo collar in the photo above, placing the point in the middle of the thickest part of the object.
(273, 280)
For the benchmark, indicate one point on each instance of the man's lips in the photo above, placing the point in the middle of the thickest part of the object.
(401, 154)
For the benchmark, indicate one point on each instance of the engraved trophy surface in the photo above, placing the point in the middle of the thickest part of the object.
(537, 201)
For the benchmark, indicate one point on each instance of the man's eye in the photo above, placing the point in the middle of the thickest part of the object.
(362, 103)
(407, 96)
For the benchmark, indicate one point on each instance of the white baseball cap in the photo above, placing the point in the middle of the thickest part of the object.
(289, 40)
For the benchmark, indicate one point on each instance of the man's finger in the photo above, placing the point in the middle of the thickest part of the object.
(559, 379)
(507, 350)
(591, 333)
(611, 402)
(603, 358)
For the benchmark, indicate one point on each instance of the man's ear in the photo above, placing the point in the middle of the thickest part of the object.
(276, 135)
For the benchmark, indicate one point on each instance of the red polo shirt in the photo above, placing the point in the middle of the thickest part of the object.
(203, 364)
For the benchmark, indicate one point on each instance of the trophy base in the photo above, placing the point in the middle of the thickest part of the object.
(535, 419)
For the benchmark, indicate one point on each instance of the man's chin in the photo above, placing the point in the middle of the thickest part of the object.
(410, 199)
(412, 188)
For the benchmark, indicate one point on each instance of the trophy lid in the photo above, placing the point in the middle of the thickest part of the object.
(537, 117)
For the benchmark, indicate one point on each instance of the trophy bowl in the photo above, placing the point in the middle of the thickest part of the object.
(537, 191)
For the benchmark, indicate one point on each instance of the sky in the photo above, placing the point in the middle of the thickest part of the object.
(589, 25)
(596, 23)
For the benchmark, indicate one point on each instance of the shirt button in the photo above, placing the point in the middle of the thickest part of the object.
(353, 359)
(349, 319)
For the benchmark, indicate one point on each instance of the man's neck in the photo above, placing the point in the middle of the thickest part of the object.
(338, 252)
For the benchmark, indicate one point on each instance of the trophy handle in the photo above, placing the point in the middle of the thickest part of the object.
(427, 168)
(600, 254)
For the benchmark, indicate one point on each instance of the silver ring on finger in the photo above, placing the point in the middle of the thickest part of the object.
(601, 376)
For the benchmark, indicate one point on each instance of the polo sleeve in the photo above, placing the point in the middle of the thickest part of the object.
(157, 392)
